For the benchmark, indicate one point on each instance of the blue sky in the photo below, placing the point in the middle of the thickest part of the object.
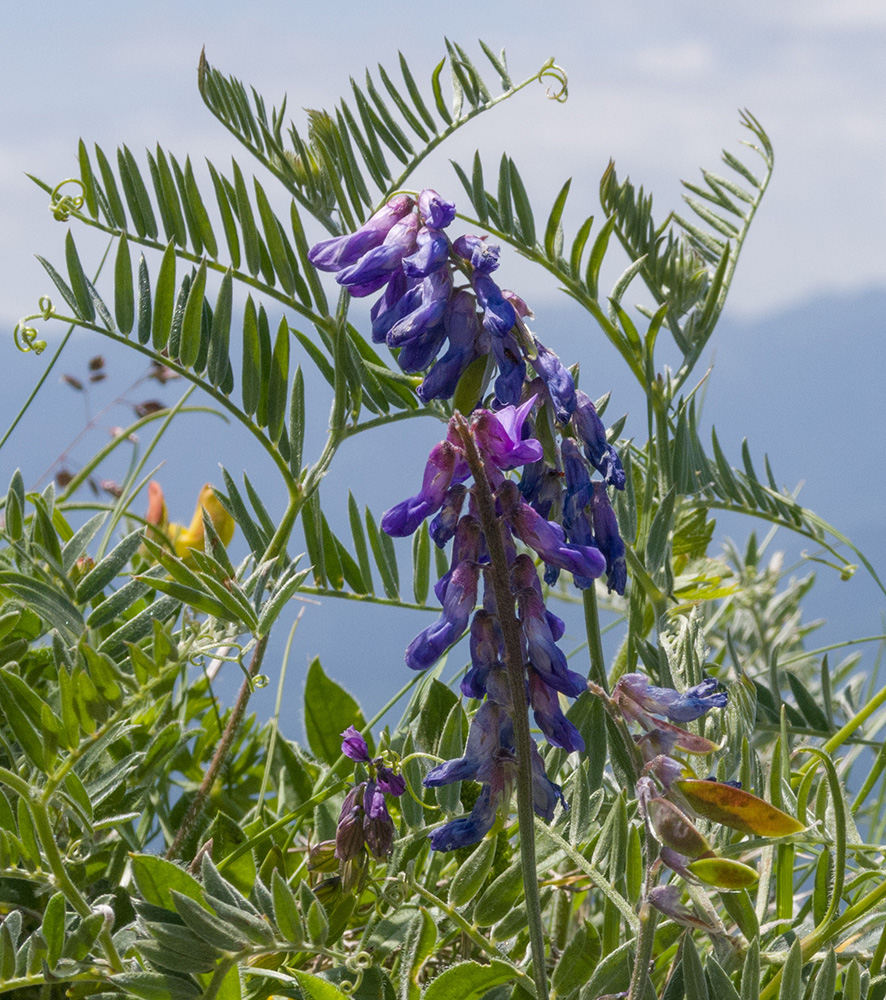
(655, 86)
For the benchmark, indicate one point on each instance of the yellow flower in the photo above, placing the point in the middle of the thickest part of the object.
(184, 539)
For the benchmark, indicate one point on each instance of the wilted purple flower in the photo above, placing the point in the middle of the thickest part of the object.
(340, 251)
(461, 596)
(486, 643)
(589, 427)
(638, 698)
(442, 528)
(559, 383)
(405, 517)
(608, 540)
(499, 436)
(434, 210)
(354, 746)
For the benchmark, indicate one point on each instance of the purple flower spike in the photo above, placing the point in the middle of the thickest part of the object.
(405, 517)
(558, 730)
(434, 210)
(560, 385)
(354, 746)
(342, 251)
(544, 654)
(461, 596)
(482, 255)
(609, 540)
(499, 436)
(589, 427)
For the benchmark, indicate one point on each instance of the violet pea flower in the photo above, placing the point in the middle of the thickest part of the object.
(558, 730)
(499, 316)
(609, 540)
(523, 574)
(545, 793)
(685, 707)
(434, 294)
(401, 296)
(418, 354)
(589, 427)
(461, 596)
(341, 251)
(434, 210)
(511, 368)
(499, 436)
(443, 526)
(471, 829)
(482, 255)
(544, 654)
(560, 385)
(393, 784)
(486, 641)
(463, 329)
(431, 255)
(548, 538)
(467, 547)
(405, 517)
(491, 730)
(376, 267)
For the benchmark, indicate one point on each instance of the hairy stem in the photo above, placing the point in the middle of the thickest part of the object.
(221, 752)
(510, 627)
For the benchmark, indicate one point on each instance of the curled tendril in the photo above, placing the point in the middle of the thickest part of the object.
(25, 336)
(261, 681)
(551, 71)
(395, 891)
(61, 205)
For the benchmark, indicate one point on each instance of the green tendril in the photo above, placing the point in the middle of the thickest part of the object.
(551, 71)
(61, 205)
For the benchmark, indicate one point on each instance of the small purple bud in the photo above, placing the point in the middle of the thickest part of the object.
(349, 832)
(392, 784)
(378, 827)
(486, 642)
(434, 210)
(354, 746)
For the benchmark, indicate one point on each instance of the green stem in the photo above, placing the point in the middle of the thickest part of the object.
(222, 750)
(510, 627)
(468, 930)
(646, 934)
(597, 672)
(63, 880)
